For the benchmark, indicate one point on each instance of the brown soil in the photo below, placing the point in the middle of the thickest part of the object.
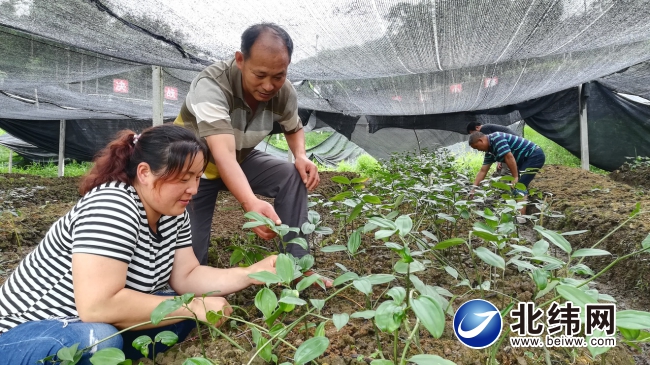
(589, 201)
(635, 176)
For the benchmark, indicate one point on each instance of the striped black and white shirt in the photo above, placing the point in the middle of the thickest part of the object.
(109, 221)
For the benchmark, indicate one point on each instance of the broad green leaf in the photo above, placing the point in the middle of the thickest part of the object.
(197, 361)
(547, 258)
(259, 218)
(398, 201)
(430, 314)
(449, 243)
(520, 186)
(292, 300)
(389, 316)
(371, 199)
(541, 279)
(394, 246)
(646, 242)
(587, 252)
(359, 180)
(577, 296)
(402, 267)
(555, 238)
(502, 186)
(522, 264)
(341, 196)
(354, 242)
(318, 303)
(383, 223)
(266, 277)
(313, 217)
(490, 258)
(266, 301)
(430, 360)
(443, 291)
(430, 235)
(384, 233)
(108, 356)
(237, 256)
(306, 262)
(548, 289)
(341, 180)
(307, 282)
(355, 212)
(340, 320)
(451, 271)
(363, 285)
(595, 351)
(485, 235)
(540, 248)
(363, 314)
(308, 228)
(571, 233)
(311, 349)
(141, 343)
(213, 317)
(323, 230)
(333, 248)
(187, 298)
(345, 277)
(320, 330)
(404, 225)
(167, 338)
(164, 309)
(633, 319)
(300, 242)
(252, 224)
(284, 268)
(378, 279)
(397, 293)
(629, 334)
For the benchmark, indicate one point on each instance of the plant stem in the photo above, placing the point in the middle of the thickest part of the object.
(408, 341)
(395, 346)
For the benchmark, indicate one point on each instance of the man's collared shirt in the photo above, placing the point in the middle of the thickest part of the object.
(502, 143)
(215, 105)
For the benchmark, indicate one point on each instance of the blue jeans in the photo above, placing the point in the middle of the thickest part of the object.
(29, 342)
(534, 161)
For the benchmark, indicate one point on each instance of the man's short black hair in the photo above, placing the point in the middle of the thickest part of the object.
(253, 32)
(471, 127)
(475, 137)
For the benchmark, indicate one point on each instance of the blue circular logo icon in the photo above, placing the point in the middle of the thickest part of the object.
(477, 323)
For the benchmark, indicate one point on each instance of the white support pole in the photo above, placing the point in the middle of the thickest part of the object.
(11, 158)
(61, 146)
(584, 135)
(289, 155)
(157, 94)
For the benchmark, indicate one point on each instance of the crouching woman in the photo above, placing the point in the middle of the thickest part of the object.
(99, 267)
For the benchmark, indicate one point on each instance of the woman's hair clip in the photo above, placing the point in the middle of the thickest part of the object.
(135, 138)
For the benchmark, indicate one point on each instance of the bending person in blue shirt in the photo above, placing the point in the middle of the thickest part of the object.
(517, 153)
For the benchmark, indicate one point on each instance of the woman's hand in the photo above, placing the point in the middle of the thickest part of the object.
(268, 264)
(201, 306)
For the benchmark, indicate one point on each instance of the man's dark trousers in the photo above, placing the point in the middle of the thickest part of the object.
(268, 176)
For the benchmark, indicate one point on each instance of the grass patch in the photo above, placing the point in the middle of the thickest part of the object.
(556, 154)
(312, 139)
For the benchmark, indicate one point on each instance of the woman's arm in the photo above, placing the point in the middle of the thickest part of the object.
(100, 295)
(189, 277)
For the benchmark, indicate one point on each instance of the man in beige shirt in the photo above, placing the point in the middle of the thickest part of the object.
(233, 105)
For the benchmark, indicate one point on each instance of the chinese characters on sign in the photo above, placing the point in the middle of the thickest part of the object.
(171, 93)
(120, 86)
(456, 88)
(563, 325)
(490, 81)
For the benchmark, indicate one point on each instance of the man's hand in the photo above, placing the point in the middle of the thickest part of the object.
(268, 264)
(265, 209)
(308, 172)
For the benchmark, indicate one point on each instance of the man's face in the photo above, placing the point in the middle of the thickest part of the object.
(482, 144)
(265, 70)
